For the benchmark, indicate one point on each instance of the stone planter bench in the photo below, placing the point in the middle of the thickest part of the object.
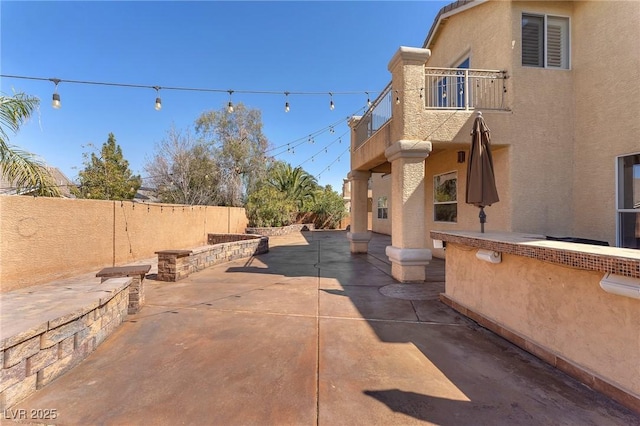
(47, 330)
(174, 265)
(282, 230)
(136, 289)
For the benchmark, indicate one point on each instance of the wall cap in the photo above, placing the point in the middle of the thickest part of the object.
(408, 256)
(409, 56)
(408, 149)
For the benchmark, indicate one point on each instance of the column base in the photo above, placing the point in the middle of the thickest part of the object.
(359, 241)
(408, 264)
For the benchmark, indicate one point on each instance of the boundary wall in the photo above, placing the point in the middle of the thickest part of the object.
(46, 239)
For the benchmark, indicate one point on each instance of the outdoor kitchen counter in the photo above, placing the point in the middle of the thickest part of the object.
(615, 260)
(575, 306)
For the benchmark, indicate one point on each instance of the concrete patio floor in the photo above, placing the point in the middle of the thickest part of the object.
(305, 335)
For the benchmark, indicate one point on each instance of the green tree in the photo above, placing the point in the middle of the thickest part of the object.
(298, 185)
(184, 171)
(107, 176)
(328, 208)
(24, 170)
(268, 207)
(239, 146)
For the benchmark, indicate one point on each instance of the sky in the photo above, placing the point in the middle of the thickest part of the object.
(316, 47)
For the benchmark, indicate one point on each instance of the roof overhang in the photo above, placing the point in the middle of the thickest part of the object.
(444, 14)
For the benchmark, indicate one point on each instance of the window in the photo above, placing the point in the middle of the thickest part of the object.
(450, 89)
(629, 201)
(383, 210)
(545, 41)
(445, 197)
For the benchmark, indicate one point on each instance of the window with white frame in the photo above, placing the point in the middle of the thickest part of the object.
(445, 197)
(545, 41)
(383, 209)
(629, 201)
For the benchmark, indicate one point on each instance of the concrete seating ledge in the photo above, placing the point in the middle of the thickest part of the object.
(174, 265)
(48, 329)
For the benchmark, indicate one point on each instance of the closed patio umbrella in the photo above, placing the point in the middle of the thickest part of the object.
(481, 181)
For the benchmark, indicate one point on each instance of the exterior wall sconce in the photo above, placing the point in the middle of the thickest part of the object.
(461, 157)
(621, 285)
(489, 256)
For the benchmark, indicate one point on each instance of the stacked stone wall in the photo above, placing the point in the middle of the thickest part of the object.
(174, 265)
(282, 230)
(44, 346)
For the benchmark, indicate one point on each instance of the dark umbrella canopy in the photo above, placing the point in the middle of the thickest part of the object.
(481, 181)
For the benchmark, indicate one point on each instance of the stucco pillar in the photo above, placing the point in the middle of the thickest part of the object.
(407, 76)
(359, 234)
(408, 252)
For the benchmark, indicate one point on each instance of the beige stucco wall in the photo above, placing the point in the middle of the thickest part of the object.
(44, 239)
(498, 217)
(381, 187)
(559, 308)
(606, 68)
(563, 129)
(540, 125)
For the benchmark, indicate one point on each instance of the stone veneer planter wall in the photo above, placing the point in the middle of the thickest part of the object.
(50, 329)
(282, 230)
(174, 265)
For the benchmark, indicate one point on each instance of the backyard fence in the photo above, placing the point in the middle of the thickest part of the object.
(44, 239)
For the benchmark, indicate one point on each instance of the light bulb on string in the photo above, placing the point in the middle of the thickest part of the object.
(397, 98)
(230, 104)
(286, 103)
(158, 106)
(55, 102)
(332, 106)
(368, 100)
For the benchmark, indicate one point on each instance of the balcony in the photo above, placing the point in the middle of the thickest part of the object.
(445, 89)
(466, 89)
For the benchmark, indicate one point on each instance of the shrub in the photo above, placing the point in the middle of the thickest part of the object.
(327, 208)
(268, 207)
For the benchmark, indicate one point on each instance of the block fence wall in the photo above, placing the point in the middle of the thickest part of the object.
(45, 239)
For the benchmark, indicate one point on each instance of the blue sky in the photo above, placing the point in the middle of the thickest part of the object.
(242, 46)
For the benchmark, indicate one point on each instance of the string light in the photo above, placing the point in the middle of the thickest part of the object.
(184, 89)
(331, 104)
(230, 105)
(397, 98)
(286, 103)
(158, 100)
(368, 100)
(55, 103)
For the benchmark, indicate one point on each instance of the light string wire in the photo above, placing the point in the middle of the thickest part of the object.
(287, 147)
(319, 175)
(324, 149)
(192, 89)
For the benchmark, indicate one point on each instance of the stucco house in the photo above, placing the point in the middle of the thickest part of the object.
(557, 84)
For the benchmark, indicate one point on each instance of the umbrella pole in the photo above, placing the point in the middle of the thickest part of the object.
(483, 219)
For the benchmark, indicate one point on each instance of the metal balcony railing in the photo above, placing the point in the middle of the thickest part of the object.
(464, 88)
(444, 89)
(378, 114)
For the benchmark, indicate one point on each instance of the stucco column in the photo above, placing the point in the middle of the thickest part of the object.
(408, 252)
(359, 234)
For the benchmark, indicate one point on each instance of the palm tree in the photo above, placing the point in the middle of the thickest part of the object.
(23, 169)
(299, 185)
